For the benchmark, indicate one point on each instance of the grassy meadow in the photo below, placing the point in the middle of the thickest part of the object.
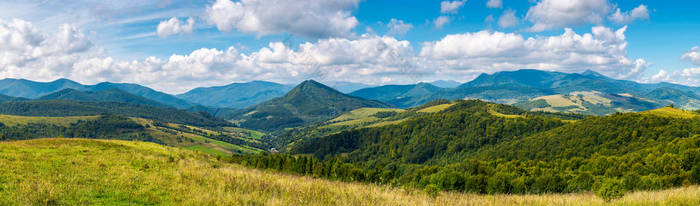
(112, 172)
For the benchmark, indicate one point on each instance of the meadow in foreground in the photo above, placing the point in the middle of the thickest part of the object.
(112, 172)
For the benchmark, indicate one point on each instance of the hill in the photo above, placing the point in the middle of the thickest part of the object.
(56, 108)
(308, 102)
(589, 102)
(402, 96)
(149, 174)
(483, 147)
(525, 87)
(236, 95)
(30, 89)
(109, 95)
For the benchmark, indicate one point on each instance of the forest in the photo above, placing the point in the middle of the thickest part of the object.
(467, 148)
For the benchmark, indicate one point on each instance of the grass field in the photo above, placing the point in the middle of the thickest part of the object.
(12, 120)
(671, 112)
(111, 172)
(436, 108)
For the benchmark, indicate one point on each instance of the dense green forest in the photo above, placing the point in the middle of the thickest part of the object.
(81, 108)
(469, 148)
(104, 127)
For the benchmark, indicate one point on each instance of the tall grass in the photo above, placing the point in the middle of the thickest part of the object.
(109, 172)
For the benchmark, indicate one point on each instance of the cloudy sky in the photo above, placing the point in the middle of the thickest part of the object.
(174, 46)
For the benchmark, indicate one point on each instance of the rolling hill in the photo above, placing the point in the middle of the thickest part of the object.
(236, 95)
(308, 102)
(57, 108)
(482, 147)
(74, 171)
(402, 96)
(109, 95)
(525, 87)
(31, 90)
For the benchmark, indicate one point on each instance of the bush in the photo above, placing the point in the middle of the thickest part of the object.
(432, 190)
(611, 189)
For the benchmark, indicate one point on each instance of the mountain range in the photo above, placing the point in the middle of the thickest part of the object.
(587, 93)
(308, 102)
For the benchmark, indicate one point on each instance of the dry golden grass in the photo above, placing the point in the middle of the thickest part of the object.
(109, 172)
(436, 108)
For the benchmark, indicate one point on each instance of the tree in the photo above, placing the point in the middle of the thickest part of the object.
(611, 189)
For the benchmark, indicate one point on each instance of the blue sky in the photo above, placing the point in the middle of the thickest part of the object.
(174, 45)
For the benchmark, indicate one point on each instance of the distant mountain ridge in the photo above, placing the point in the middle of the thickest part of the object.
(308, 102)
(108, 95)
(31, 89)
(525, 85)
(236, 95)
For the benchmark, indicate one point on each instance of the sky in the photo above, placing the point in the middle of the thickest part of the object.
(174, 46)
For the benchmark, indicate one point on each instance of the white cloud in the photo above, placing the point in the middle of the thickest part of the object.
(27, 52)
(451, 7)
(308, 18)
(494, 4)
(602, 50)
(174, 26)
(398, 27)
(552, 14)
(508, 19)
(441, 21)
(640, 12)
(692, 56)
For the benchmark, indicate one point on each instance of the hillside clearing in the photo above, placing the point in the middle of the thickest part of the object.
(112, 172)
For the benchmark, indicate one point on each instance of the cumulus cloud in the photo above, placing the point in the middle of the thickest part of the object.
(441, 21)
(552, 14)
(692, 56)
(494, 4)
(398, 27)
(308, 18)
(602, 50)
(370, 58)
(451, 7)
(508, 19)
(174, 26)
(641, 12)
(27, 52)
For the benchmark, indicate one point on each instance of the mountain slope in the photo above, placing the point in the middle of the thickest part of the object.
(149, 174)
(145, 92)
(402, 96)
(81, 108)
(308, 102)
(109, 95)
(491, 148)
(32, 90)
(236, 95)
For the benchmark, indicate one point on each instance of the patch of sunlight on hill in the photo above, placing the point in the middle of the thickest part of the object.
(362, 113)
(12, 120)
(671, 112)
(113, 172)
(195, 138)
(436, 108)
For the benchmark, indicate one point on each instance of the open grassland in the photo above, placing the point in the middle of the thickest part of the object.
(12, 120)
(671, 112)
(189, 139)
(111, 172)
(436, 108)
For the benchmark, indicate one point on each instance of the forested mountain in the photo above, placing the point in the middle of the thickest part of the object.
(109, 95)
(32, 90)
(525, 86)
(402, 96)
(482, 147)
(446, 83)
(308, 102)
(236, 95)
(57, 108)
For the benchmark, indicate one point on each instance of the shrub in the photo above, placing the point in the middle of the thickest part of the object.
(611, 189)
(432, 190)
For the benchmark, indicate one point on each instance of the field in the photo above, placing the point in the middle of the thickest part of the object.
(12, 120)
(111, 172)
